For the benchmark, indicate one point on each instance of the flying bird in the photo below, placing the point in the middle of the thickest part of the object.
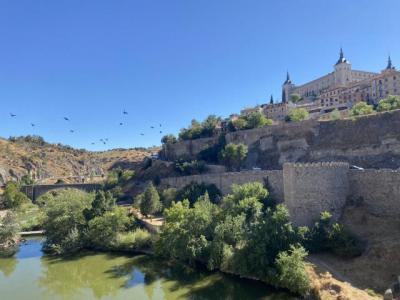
(125, 112)
(160, 125)
(142, 134)
(12, 115)
(106, 139)
(66, 119)
(93, 143)
(160, 131)
(152, 127)
(120, 124)
(72, 131)
(33, 125)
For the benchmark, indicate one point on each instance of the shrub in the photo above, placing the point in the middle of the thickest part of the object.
(27, 180)
(291, 270)
(103, 201)
(295, 98)
(361, 108)
(193, 191)
(335, 115)
(211, 154)
(103, 230)
(233, 155)
(389, 103)
(64, 220)
(328, 236)
(169, 139)
(190, 168)
(298, 114)
(196, 130)
(137, 240)
(8, 227)
(150, 202)
(13, 197)
(167, 196)
(249, 121)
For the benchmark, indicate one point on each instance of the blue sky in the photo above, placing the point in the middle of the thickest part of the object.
(170, 61)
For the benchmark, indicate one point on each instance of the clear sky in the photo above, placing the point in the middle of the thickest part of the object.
(168, 61)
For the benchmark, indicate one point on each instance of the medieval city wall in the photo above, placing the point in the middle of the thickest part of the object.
(369, 142)
(272, 179)
(310, 189)
(378, 189)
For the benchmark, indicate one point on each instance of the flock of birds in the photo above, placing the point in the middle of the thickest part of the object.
(103, 140)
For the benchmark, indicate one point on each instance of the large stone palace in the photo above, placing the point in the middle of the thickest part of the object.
(338, 90)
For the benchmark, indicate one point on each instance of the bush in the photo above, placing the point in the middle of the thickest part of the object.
(169, 139)
(103, 201)
(291, 270)
(193, 191)
(64, 220)
(8, 227)
(249, 121)
(298, 114)
(167, 196)
(103, 230)
(233, 155)
(328, 236)
(389, 103)
(207, 128)
(335, 115)
(295, 98)
(190, 168)
(150, 201)
(13, 197)
(361, 108)
(137, 240)
(211, 154)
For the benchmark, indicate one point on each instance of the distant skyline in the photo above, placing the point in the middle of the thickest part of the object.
(167, 62)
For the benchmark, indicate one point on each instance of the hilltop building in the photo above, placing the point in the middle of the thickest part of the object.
(340, 90)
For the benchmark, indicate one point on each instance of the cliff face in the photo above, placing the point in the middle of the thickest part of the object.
(369, 142)
(46, 162)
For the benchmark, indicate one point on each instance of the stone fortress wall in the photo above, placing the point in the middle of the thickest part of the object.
(368, 142)
(308, 189)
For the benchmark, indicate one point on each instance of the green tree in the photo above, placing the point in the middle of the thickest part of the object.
(103, 229)
(103, 201)
(168, 139)
(295, 98)
(9, 227)
(391, 102)
(233, 155)
(167, 196)
(64, 220)
(361, 108)
(256, 120)
(291, 270)
(150, 203)
(193, 191)
(13, 197)
(298, 114)
(27, 180)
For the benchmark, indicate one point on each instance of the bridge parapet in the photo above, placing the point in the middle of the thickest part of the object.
(35, 191)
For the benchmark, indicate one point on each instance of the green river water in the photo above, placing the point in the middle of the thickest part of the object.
(31, 275)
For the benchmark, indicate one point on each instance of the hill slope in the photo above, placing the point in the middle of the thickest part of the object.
(48, 162)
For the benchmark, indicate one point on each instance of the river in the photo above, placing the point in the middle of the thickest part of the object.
(32, 275)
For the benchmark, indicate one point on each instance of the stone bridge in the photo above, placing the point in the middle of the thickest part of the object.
(35, 191)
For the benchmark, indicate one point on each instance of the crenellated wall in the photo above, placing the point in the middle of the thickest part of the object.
(311, 188)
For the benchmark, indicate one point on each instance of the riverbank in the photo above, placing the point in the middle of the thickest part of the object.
(94, 275)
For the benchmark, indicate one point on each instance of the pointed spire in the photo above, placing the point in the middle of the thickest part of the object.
(287, 78)
(390, 65)
(341, 59)
(271, 100)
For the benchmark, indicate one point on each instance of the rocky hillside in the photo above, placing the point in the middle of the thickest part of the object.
(48, 162)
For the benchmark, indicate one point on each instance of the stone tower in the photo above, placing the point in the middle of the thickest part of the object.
(287, 89)
(342, 70)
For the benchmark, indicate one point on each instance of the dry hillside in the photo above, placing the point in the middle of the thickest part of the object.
(49, 162)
